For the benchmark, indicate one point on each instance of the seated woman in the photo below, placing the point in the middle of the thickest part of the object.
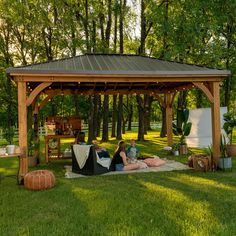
(121, 162)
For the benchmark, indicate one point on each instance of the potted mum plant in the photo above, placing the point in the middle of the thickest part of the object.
(225, 161)
(230, 123)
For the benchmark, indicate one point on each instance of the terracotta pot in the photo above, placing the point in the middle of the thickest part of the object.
(183, 149)
(231, 149)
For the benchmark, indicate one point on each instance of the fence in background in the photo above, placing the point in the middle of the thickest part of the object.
(42, 130)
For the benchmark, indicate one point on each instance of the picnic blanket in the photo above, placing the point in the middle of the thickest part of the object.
(170, 165)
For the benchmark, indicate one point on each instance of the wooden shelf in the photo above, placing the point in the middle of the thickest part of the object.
(53, 147)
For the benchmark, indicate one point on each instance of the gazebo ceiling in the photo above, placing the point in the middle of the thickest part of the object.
(107, 74)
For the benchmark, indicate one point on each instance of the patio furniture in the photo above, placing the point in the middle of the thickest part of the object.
(91, 166)
(39, 180)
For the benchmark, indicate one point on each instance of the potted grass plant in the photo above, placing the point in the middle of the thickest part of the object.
(225, 161)
(230, 123)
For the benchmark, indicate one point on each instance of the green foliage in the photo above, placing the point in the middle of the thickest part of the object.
(185, 129)
(208, 150)
(30, 142)
(223, 149)
(37, 31)
(175, 146)
(230, 123)
(8, 134)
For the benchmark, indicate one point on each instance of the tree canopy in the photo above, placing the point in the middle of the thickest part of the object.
(195, 32)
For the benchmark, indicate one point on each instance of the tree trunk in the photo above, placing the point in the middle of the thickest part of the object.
(105, 118)
(53, 107)
(121, 25)
(163, 122)
(199, 98)
(115, 25)
(86, 26)
(94, 41)
(124, 121)
(91, 134)
(130, 116)
(182, 104)
(76, 102)
(114, 115)
(109, 22)
(119, 118)
(140, 117)
(147, 112)
(143, 29)
(165, 33)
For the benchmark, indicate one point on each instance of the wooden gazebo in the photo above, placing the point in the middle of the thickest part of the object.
(114, 74)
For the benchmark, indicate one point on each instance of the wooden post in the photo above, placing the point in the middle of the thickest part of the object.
(215, 116)
(169, 117)
(22, 120)
(36, 130)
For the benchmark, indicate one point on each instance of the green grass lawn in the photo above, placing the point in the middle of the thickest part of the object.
(169, 203)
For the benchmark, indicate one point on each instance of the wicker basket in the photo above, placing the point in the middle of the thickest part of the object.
(200, 162)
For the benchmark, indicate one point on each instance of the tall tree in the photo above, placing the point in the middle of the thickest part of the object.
(105, 118)
(119, 120)
(141, 117)
(114, 116)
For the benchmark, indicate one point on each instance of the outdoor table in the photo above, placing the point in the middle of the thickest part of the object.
(6, 156)
(53, 146)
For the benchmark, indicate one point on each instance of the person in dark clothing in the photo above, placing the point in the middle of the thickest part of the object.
(121, 161)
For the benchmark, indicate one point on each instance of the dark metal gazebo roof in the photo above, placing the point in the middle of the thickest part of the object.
(109, 74)
(107, 64)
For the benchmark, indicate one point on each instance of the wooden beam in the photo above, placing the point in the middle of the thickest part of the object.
(37, 91)
(169, 117)
(58, 92)
(44, 102)
(22, 123)
(215, 117)
(113, 78)
(205, 90)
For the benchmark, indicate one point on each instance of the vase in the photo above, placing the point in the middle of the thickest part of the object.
(225, 163)
(10, 149)
(176, 153)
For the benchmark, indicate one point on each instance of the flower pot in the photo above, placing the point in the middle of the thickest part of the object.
(176, 153)
(231, 149)
(183, 149)
(225, 163)
(10, 149)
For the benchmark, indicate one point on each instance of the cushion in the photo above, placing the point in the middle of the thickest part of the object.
(153, 162)
(39, 180)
